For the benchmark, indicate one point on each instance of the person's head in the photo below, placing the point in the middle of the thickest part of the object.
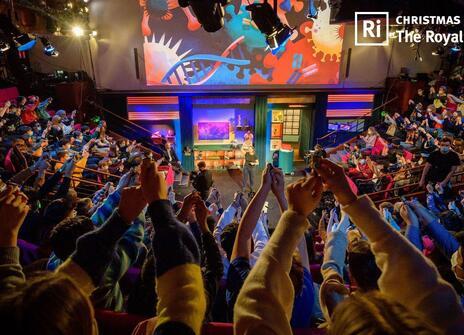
(374, 313)
(28, 138)
(64, 235)
(85, 129)
(21, 101)
(442, 90)
(371, 131)
(168, 145)
(83, 206)
(457, 259)
(362, 266)
(228, 238)
(420, 91)
(386, 206)
(65, 144)
(61, 113)
(37, 128)
(201, 165)
(48, 303)
(56, 120)
(430, 188)
(252, 150)
(445, 145)
(79, 136)
(62, 155)
(20, 144)
(431, 109)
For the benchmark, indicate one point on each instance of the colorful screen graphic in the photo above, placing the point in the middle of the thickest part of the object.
(177, 51)
(209, 131)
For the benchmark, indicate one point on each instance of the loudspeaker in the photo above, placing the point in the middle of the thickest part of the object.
(348, 63)
(136, 62)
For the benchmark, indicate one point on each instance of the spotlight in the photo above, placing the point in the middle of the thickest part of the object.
(209, 13)
(94, 33)
(4, 46)
(24, 42)
(48, 48)
(267, 21)
(456, 48)
(85, 1)
(77, 31)
(438, 51)
(312, 10)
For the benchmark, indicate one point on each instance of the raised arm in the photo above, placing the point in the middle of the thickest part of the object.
(424, 174)
(227, 217)
(264, 305)
(423, 291)
(442, 237)
(182, 303)
(13, 210)
(83, 266)
(242, 243)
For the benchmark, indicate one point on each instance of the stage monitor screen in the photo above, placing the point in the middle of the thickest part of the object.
(211, 131)
(177, 51)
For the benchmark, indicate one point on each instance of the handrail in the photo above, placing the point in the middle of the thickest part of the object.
(84, 181)
(409, 195)
(358, 118)
(88, 169)
(408, 185)
(394, 173)
(93, 103)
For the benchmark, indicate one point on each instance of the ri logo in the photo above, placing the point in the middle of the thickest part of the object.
(370, 28)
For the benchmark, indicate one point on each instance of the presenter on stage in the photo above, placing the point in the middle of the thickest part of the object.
(247, 141)
(249, 167)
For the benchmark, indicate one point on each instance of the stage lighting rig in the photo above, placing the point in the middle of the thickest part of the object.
(210, 13)
(48, 48)
(438, 51)
(266, 19)
(4, 46)
(24, 42)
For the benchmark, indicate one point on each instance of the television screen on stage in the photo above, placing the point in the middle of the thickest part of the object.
(177, 51)
(210, 131)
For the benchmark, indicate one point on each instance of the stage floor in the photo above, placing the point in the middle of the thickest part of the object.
(228, 182)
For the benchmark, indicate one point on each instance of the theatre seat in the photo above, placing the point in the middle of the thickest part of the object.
(112, 323)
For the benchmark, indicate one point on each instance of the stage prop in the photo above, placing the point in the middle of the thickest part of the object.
(220, 125)
(177, 51)
(283, 159)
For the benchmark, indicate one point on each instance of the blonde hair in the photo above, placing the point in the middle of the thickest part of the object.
(374, 313)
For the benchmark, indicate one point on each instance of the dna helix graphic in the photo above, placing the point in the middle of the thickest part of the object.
(198, 69)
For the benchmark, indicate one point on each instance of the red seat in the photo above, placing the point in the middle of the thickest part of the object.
(112, 323)
(379, 147)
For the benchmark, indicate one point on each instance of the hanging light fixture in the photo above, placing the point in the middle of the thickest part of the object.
(48, 48)
(266, 19)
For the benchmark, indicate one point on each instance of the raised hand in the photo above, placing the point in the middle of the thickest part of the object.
(341, 226)
(335, 180)
(304, 195)
(278, 182)
(201, 213)
(237, 199)
(333, 219)
(13, 211)
(41, 164)
(408, 215)
(153, 184)
(132, 203)
(266, 178)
